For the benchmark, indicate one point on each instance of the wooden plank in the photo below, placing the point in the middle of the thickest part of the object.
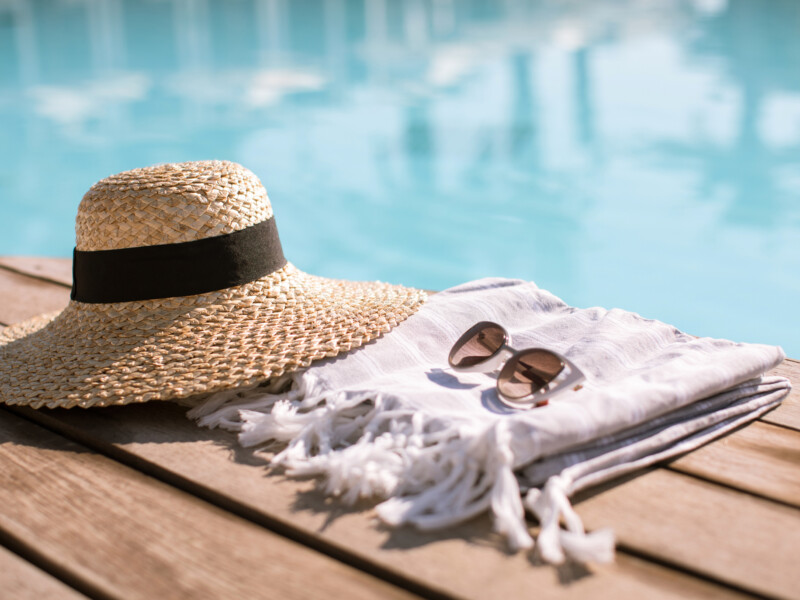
(762, 459)
(748, 542)
(165, 463)
(463, 562)
(21, 580)
(127, 535)
(774, 476)
(56, 270)
(22, 297)
(788, 413)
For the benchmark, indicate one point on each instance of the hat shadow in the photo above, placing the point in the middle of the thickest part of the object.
(126, 432)
(158, 439)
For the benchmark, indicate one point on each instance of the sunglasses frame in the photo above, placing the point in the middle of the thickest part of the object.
(506, 353)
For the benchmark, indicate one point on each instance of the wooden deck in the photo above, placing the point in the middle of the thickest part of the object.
(138, 502)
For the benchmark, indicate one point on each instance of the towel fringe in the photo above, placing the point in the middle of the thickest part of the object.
(432, 472)
(551, 505)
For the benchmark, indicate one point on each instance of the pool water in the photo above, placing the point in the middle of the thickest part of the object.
(630, 154)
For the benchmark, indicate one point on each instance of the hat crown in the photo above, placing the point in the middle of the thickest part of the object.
(169, 204)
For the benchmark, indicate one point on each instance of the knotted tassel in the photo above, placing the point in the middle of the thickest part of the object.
(554, 544)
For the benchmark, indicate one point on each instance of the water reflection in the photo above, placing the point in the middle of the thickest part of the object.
(624, 152)
(760, 64)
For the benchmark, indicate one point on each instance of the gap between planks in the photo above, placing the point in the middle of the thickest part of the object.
(122, 534)
(158, 438)
(30, 286)
(760, 458)
(53, 270)
(23, 295)
(690, 455)
(21, 580)
(445, 568)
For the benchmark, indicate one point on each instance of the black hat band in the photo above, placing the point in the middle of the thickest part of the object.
(182, 269)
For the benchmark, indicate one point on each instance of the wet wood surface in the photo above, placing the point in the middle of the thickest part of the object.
(137, 501)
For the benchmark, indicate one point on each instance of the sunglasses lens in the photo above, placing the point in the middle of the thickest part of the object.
(527, 372)
(477, 344)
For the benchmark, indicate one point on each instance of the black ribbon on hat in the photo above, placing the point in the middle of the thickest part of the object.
(182, 269)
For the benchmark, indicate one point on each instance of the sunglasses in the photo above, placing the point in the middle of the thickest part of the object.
(528, 377)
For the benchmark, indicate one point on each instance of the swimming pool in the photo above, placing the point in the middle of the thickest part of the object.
(634, 154)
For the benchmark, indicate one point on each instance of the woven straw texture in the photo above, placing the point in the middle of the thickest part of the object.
(106, 354)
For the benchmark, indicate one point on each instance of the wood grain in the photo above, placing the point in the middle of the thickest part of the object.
(679, 520)
(130, 536)
(56, 270)
(788, 413)
(761, 458)
(466, 561)
(773, 479)
(22, 297)
(743, 540)
(21, 580)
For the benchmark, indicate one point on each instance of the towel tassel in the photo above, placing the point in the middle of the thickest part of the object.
(554, 544)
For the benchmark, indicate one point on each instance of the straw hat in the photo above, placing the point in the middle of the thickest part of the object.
(132, 331)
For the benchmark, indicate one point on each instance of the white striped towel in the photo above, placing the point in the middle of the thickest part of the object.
(392, 420)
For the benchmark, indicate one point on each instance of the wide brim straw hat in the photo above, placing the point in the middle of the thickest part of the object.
(181, 288)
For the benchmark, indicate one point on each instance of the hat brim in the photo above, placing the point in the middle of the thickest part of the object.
(111, 354)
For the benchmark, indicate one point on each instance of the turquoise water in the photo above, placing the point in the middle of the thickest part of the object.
(636, 154)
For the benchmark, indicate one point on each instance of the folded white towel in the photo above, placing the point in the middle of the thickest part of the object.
(392, 420)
